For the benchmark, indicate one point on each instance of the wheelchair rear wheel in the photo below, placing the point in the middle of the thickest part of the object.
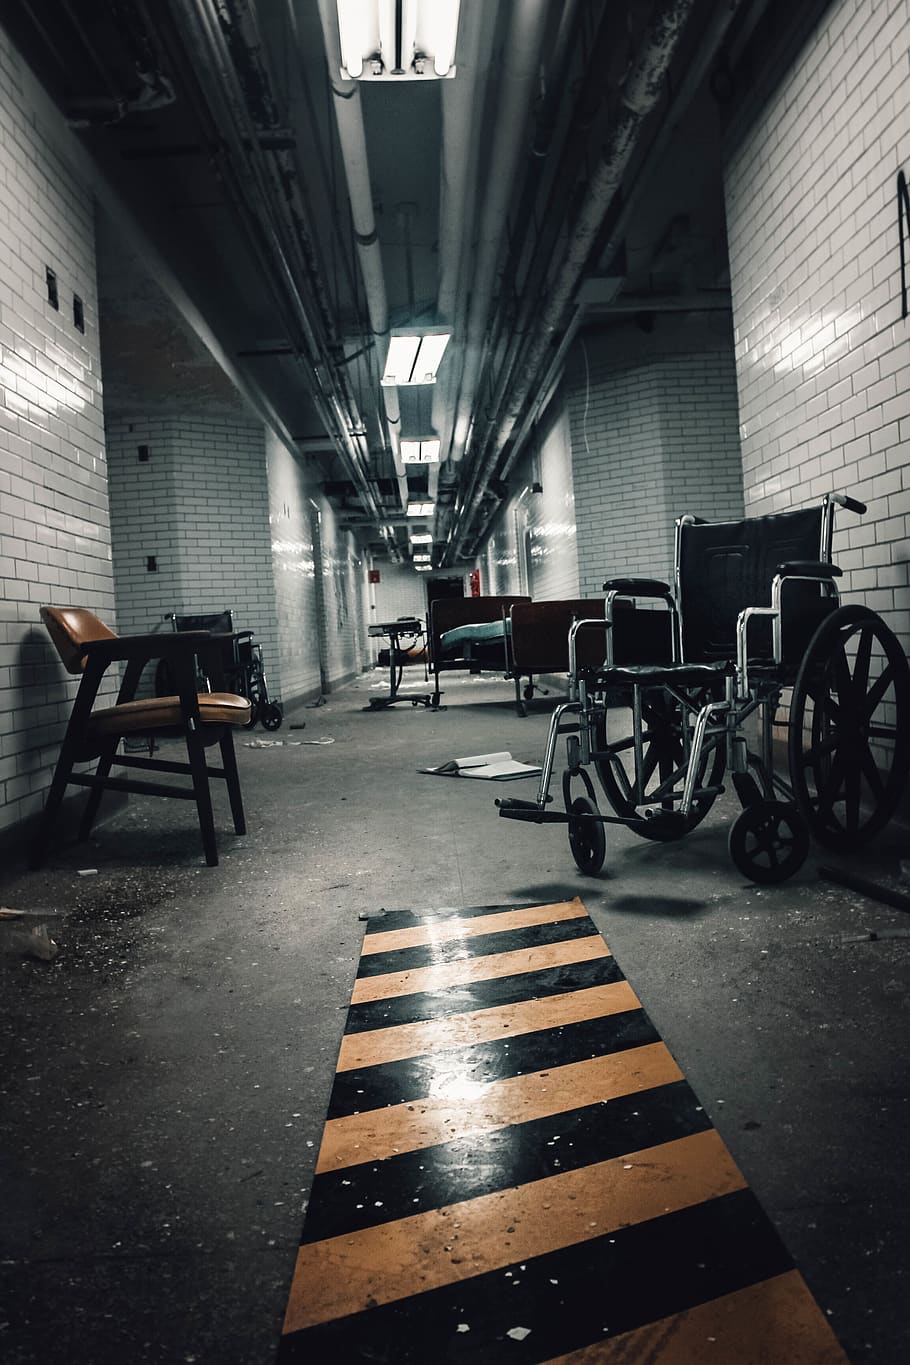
(849, 729)
(657, 816)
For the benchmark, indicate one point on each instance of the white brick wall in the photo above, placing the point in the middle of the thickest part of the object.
(401, 591)
(200, 506)
(822, 353)
(343, 568)
(294, 571)
(653, 435)
(54, 526)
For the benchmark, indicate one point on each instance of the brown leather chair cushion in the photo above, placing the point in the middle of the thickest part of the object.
(70, 628)
(161, 713)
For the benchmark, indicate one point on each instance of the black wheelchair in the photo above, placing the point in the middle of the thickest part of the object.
(243, 667)
(759, 660)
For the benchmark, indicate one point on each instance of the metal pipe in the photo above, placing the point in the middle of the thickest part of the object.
(348, 110)
(517, 81)
(639, 95)
(285, 251)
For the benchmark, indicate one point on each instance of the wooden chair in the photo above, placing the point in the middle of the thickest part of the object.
(201, 718)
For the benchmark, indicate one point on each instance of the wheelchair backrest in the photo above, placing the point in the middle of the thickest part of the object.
(725, 566)
(218, 621)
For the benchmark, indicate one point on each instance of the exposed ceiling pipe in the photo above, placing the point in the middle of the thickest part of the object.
(517, 81)
(459, 101)
(639, 94)
(286, 260)
(719, 25)
(348, 110)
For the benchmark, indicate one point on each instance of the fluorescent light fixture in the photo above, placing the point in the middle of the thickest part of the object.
(420, 538)
(422, 559)
(420, 452)
(421, 509)
(414, 358)
(423, 568)
(397, 39)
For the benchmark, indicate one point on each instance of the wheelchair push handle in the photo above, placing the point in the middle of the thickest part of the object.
(851, 504)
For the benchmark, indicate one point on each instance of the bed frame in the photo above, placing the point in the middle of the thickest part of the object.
(535, 642)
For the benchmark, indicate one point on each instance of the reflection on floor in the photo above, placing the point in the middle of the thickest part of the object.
(514, 1168)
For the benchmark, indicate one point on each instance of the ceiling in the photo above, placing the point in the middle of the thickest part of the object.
(265, 223)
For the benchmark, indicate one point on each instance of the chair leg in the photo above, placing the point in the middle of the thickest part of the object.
(200, 774)
(55, 794)
(232, 778)
(93, 804)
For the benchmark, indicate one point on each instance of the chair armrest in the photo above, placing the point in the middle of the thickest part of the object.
(154, 646)
(809, 568)
(637, 587)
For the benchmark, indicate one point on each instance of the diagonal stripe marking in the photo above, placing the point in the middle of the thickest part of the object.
(446, 930)
(776, 1320)
(486, 968)
(380, 1133)
(346, 1274)
(398, 1041)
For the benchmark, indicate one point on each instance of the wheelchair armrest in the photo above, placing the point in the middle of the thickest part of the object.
(809, 568)
(637, 587)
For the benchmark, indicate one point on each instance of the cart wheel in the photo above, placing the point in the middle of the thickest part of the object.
(663, 764)
(254, 713)
(271, 716)
(769, 841)
(849, 730)
(586, 837)
(529, 692)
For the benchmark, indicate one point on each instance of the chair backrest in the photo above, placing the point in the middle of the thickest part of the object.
(71, 628)
(724, 566)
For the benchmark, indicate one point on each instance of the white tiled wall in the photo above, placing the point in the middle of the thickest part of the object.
(654, 434)
(822, 352)
(294, 572)
(552, 551)
(401, 591)
(343, 568)
(54, 529)
(200, 506)
(531, 549)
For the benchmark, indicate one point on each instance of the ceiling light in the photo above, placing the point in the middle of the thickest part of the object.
(423, 568)
(420, 452)
(420, 538)
(413, 358)
(422, 559)
(421, 509)
(397, 39)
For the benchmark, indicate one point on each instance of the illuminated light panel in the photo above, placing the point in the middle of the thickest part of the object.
(375, 47)
(421, 538)
(421, 509)
(414, 359)
(421, 452)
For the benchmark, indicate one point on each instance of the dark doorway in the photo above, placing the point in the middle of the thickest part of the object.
(444, 587)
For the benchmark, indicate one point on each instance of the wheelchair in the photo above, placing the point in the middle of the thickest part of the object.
(243, 667)
(757, 647)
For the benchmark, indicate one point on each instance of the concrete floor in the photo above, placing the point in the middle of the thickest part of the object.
(164, 1079)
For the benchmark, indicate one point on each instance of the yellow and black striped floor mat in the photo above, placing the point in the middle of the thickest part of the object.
(515, 1169)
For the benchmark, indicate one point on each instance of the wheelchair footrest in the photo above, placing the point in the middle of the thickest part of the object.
(514, 809)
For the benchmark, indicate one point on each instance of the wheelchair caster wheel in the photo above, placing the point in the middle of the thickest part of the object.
(271, 716)
(769, 841)
(586, 837)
